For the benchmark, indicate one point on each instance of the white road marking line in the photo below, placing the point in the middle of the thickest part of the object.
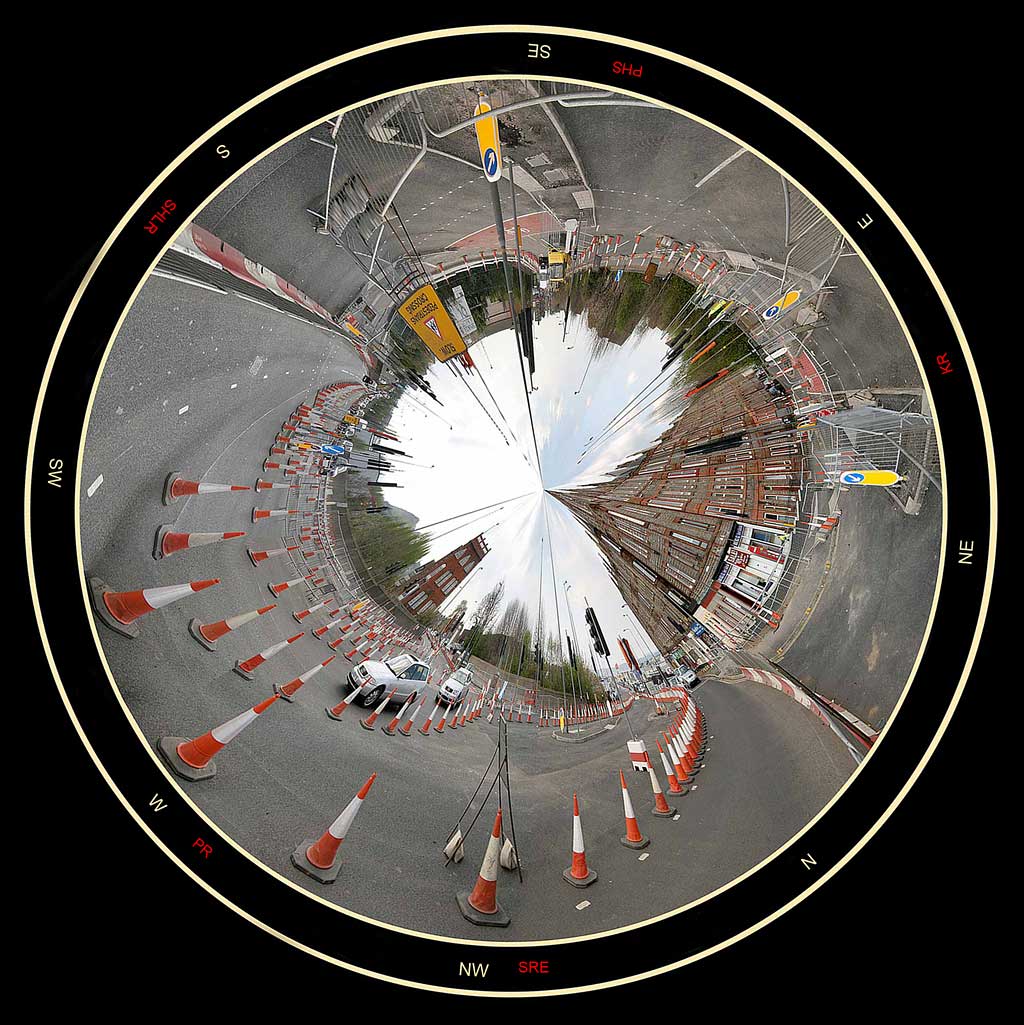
(725, 163)
(184, 409)
(91, 490)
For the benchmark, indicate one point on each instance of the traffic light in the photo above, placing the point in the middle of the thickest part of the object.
(572, 654)
(596, 636)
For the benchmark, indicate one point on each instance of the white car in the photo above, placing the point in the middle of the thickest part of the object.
(688, 678)
(403, 674)
(454, 688)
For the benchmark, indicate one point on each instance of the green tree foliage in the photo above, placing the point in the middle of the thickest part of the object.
(388, 546)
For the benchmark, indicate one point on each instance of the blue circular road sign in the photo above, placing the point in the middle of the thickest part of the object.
(490, 161)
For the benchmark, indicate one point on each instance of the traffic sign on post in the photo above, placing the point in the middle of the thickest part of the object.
(424, 312)
(488, 141)
(786, 301)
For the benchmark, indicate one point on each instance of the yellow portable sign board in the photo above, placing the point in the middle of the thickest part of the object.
(489, 143)
(353, 420)
(424, 312)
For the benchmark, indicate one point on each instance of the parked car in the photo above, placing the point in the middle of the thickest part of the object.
(688, 678)
(454, 688)
(403, 674)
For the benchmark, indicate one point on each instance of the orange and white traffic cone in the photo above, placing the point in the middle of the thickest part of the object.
(633, 837)
(370, 721)
(578, 873)
(176, 487)
(289, 689)
(300, 616)
(393, 725)
(209, 633)
(481, 907)
(248, 666)
(266, 485)
(193, 759)
(673, 781)
(276, 589)
(318, 859)
(269, 514)
(257, 557)
(425, 728)
(439, 728)
(168, 541)
(120, 610)
(406, 728)
(339, 709)
(661, 807)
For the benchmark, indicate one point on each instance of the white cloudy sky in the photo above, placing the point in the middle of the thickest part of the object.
(467, 464)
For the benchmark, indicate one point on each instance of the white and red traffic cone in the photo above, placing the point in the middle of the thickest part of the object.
(481, 907)
(661, 807)
(246, 667)
(339, 709)
(276, 589)
(257, 557)
(393, 725)
(209, 633)
(175, 487)
(673, 780)
(439, 728)
(633, 837)
(319, 858)
(288, 691)
(425, 728)
(168, 541)
(120, 610)
(578, 873)
(269, 514)
(193, 759)
(406, 728)
(300, 616)
(266, 485)
(370, 721)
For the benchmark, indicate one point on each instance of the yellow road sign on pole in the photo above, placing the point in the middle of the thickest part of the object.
(424, 312)
(488, 141)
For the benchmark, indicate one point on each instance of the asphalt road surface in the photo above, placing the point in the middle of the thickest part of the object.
(166, 402)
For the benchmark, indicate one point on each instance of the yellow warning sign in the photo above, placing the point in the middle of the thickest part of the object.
(424, 312)
(489, 142)
(353, 420)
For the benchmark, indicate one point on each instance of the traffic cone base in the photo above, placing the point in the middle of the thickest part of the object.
(637, 845)
(590, 877)
(168, 481)
(499, 918)
(243, 672)
(194, 629)
(97, 588)
(167, 748)
(303, 864)
(664, 813)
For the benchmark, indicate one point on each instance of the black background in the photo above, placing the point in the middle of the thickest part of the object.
(109, 909)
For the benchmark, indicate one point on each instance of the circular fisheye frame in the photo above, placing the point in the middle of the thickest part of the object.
(513, 545)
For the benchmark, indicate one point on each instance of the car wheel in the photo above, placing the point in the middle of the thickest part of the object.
(368, 700)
